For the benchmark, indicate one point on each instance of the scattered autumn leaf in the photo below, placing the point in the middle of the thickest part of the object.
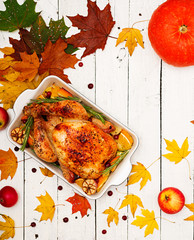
(28, 67)
(147, 219)
(113, 215)
(6, 62)
(55, 59)
(79, 203)
(95, 28)
(46, 172)
(17, 16)
(139, 172)
(132, 37)
(192, 121)
(46, 207)
(9, 91)
(8, 164)
(133, 201)
(191, 208)
(8, 227)
(177, 153)
(7, 50)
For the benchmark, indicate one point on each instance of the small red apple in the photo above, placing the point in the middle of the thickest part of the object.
(8, 196)
(4, 118)
(171, 200)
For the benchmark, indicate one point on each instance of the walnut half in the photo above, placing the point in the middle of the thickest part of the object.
(17, 135)
(89, 186)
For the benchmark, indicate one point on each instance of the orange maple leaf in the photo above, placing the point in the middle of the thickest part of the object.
(28, 67)
(79, 203)
(8, 164)
(55, 59)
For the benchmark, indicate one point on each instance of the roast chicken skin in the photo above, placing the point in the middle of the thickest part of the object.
(63, 133)
(83, 147)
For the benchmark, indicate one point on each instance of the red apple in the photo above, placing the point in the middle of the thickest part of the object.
(4, 118)
(8, 196)
(171, 200)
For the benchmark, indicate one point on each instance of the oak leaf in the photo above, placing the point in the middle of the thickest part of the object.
(9, 91)
(133, 201)
(79, 203)
(139, 172)
(8, 164)
(132, 37)
(8, 227)
(147, 219)
(55, 59)
(191, 208)
(95, 28)
(28, 67)
(46, 207)
(17, 16)
(113, 215)
(177, 153)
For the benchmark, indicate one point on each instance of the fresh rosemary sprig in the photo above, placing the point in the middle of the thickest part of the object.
(27, 129)
(95, 113)
(53, 100)
(116, 163)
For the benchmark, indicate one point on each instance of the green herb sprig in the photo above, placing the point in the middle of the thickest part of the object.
(27, 129)
(94, 113)
(116, 163)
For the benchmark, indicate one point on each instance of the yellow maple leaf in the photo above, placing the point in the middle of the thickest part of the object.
(28, 67)
(6, 62)
(46, 207)
(177, 153)
(133, 201)
(147, 219)
(8, 164)
(8, 227)
(139, 172)
(7, 50)
(112, 216)
(191, 208)
(46, 172)
(133, 36)
(11, 75)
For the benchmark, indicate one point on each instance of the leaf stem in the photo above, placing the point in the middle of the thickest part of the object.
(153, 163)
(23, 160)
(59, 205)
(189, 168)
(112, 37)
(140, 22)
(165, 219)
(43, 180)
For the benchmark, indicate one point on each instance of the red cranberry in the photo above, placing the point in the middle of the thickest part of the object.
(124, 218)
(60, 188)
(33, 224)
(33, 170)
(48, 94)
(110, 193)
(116, 136)
(80, 64)
(16, 149)
(107, 165)
(65, 219)
(90, 85)
(24, 121)
(104, 231)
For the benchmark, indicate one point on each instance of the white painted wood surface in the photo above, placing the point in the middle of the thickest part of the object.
(151, 97)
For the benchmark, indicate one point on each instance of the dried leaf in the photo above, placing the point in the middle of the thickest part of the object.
(133, 201)
(191, 208)
(113, 215)
(192, 121)
(17, 16)
(8, 164)
(133, 36)
(28, 67)
(147, 219)
(139, 172)
(55, 59)
(8, 227)
(9, 91)
(95, 28)
(46, 172)
(79, 203)
(9, 74)
(6, 62)
(7, 50)
(177, 153)
(46, 207)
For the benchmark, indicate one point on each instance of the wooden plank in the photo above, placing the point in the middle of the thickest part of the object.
(112, 96)
(144, 114)
(177, 95)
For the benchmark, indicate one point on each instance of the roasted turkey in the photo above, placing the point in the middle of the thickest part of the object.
(64, 132)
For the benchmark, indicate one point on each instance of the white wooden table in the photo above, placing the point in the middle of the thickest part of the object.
(152, 98)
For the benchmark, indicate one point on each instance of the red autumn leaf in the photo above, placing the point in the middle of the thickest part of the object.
(95, 28)
(55, 59)
(79, 203)
(19, 46)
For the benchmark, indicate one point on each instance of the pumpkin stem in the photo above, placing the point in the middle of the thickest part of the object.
(183, 29)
